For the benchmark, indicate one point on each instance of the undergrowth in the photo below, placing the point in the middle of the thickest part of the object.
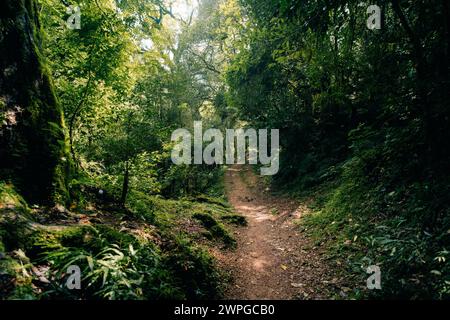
(149, 250)
(362, 224)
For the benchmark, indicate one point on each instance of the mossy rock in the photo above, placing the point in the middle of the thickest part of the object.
(213, 200)
(15, 276)
(235, 219)
(16, 230)
(94, 238)
(9, 198)
(216, 229)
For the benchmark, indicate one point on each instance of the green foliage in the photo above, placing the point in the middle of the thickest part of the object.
(114, 264)
(114, 273)
(363, 116)
(15, 276)
(363, 125)
(182, 181)
(122, 99)
(198, 276)
(366, 226)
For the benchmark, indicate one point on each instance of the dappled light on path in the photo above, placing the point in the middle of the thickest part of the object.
(273, 260)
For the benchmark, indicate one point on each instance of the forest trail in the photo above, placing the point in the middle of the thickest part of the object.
(274, 260)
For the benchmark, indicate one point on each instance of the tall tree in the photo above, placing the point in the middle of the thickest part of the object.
(33, 144)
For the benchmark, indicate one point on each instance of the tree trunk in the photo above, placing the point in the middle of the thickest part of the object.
(33, 143)
(126, 181)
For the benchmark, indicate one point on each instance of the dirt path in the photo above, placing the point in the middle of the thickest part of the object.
(273, 260)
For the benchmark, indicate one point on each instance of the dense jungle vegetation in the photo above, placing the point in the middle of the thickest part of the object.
(86, 117)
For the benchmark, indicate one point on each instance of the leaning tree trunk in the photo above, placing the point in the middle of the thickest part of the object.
(126, 182)
(33, 143)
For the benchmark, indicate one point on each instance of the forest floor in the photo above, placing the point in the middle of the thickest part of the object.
(274, 259)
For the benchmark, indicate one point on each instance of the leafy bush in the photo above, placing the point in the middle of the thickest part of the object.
(114, 273)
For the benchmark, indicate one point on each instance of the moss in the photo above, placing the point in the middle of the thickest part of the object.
(179, 269)
(15, 277)
(193, 270)
(15, 227)
(35, 155)
(235, 219)
(216, 229)
(213, 200)
(15, 233)
(9, 198)
(113, 236)
(93, 238)
(80, 237)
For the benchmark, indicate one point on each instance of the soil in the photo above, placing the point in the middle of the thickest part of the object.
(274, 259)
